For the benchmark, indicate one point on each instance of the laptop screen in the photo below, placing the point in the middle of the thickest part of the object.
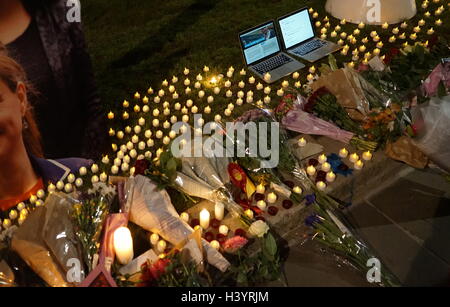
(296, 28)
(259, 43)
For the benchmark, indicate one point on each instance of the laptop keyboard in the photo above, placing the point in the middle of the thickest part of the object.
(272, 63)
(309, 47)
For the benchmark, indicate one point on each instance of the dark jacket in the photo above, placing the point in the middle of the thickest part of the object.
(80, 108)
(53, 171)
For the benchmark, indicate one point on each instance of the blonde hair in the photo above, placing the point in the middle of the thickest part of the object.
(12, 73)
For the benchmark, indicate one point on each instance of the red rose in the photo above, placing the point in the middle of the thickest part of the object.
(141, 166)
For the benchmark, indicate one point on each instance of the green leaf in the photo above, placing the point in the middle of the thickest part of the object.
(270, 245)
(242, 278)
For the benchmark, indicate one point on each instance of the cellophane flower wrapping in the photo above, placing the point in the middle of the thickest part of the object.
(152, 209)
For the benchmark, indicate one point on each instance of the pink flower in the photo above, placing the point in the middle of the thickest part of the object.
(233, 244)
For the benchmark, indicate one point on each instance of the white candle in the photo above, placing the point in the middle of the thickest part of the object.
(154, 238)
(215, 244)
(297, 190)
(367, 156)
(354, 158)
(343, 153)
(358, 165)
(219, 209)
(260, 188)
(311, 170)
(123, 245)
(161, 246)
(272, 197)
(267, 77)
(302, 142)
(249, 213)
(322, 159)
(330, 177)
(223, 229)
(204, 218)
(321, 185)
(326, 167)
(261, 204)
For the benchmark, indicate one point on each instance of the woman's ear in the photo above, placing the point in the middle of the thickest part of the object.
(21, 92)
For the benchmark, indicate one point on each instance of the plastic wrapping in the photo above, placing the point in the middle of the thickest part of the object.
(6, 275)
(151, 209)
(432, 123)
(29, 243)
(89, 218)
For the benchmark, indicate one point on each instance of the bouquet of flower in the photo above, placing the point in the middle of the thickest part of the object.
(333, 233)
(295, 119)
(89, 216)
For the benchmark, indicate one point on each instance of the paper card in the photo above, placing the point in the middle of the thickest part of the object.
(135, 265)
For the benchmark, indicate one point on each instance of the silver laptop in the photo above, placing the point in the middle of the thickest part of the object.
(262, 53)
(299, 39)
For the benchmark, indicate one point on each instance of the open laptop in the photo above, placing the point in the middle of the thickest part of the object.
(262, 53)
(299, 39)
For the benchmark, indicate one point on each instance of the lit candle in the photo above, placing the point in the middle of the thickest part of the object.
(249, 213)
(321, 185)
(267, 77)
(161, 246)
(227, 83)
(280, 92)
(123, 245)
(322, 159)
(302, 142)
(421, 22)
(359, 165)
(295, 75)
(154, 238)
(343, 153)
(223, 229)
(331, 177)
(260, 188)
(297, 190)
(215, 244)
(204, 218)
(310, 77)
(326, 166)
(438, 22)
(367, 156)
(311, 170)
(272, 197)
(251, 80)
(285, 83)
(261, 204)
(385, 25)
(430, 31)
(186, 71)
(354, 157)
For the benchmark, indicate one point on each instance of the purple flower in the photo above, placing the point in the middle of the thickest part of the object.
(312, 220)
(310, 199)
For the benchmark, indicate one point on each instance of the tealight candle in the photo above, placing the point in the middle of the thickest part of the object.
(358, 165)
(331, 177)
(297, 190)
(295, 75)
(242, 72)
(326, 166)
(186, 71)
(184, 217)
(261, 204)
(301, 142)
(321, 185)
(260, 188)
(162, 245)
(280, 92)
(123, 245)
(249, 213)
(311, 170)
(267, 90)
(154, 238)
(354, 157)
(215, 244)
(285, 83)
(343, 153)
(204, 218)
(272, 197)
(223, 229)
(310, 77)
(385, 25)
(267, 77)
(367, 156)
(438, 22)
(322, 159)
(430, 31)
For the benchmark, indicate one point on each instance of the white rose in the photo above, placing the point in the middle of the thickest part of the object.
(258, 229)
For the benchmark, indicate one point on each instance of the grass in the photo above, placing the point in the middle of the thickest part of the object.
(137, 43)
